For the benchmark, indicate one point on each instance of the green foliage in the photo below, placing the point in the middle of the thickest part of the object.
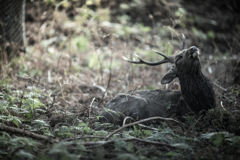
(100, 60)
(4, 82)
(64, 132)
(112, 112)
(22, 154)
(125, 31)
(180, 12)
(10, 109)
(3, 106)
(49, 2)
(17, 147)
(127, 156)
(100, 152)
(138, 132)
(103, 14)
(167, 135)
(60, 150)
(119, 144)
(93, 2)
(211, 34)
(199, 33)
(190, 121)
(94, 61)
(80, 43)
(221, 138)
(171, 154)
(11, 118)
(84, 39)
(31, 102)
(25, 70)
(85, 129)
(40, 126)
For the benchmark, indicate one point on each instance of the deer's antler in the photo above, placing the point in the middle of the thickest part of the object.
(183, 45)
(165, 60)
(141, 61)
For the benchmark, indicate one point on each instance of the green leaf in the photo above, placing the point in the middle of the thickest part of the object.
(171, 154)
(127, 156)
(15, 121)
(22, 154)
(217, 139)
(182, 146)
(39, 123)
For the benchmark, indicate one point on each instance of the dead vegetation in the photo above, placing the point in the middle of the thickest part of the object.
(50, 96)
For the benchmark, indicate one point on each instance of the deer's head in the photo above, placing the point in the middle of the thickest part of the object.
(185, 61)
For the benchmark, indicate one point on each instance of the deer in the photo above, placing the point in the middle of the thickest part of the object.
(196, 94)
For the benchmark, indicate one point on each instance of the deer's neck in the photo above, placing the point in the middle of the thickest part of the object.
(197, 91)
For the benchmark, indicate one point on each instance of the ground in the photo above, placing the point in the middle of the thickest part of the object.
(52, 94)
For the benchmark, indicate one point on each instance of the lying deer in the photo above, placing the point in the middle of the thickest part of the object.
(196, 91)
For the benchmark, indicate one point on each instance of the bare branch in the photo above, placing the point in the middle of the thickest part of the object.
(141, 121)
(25, 133)
(77, 138)
(102, 143)
(125, 119)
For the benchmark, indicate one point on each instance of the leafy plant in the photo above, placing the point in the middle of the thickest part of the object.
(138, 132)
(64, 131)
(18, 147)
(60, 150)
(80, 43)
(221, 138)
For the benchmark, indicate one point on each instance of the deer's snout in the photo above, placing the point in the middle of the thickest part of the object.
(193, 49)
(193, 52)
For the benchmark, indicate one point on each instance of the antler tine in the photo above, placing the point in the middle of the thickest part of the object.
(183, 46)
(136, 62)
(141, 61)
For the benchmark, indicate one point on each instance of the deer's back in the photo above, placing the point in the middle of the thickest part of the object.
(143, 104)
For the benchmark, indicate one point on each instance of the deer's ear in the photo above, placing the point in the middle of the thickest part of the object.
(169, 76)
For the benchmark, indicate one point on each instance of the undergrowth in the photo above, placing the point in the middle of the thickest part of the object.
(51, 96)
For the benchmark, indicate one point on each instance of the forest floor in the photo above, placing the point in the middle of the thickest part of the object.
(51, 95)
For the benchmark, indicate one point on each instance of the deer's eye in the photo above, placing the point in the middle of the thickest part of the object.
(178, 59)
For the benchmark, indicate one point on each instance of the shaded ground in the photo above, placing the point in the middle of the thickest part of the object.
(74, 66)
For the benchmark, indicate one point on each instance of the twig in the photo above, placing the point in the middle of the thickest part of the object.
(126, 118)
(199, 118)
(25, 133)
(76, 138)
(91, 107)
(124, 122)
(53, 101)
(219, 86)
(29, 80)
(102, 143)
(109, 80)
(38, 80)
(78, 149)
(141, 121)
(61, 86)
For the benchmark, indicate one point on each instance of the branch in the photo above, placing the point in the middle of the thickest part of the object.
(77, 138)
(141, 121)
(24, 132)
(102, 143)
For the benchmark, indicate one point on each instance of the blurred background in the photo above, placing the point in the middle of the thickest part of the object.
(74, 47)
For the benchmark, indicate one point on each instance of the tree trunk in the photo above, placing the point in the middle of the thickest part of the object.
(12, 27)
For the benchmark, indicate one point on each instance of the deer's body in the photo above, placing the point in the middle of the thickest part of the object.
(143, 104)
(196, 92)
